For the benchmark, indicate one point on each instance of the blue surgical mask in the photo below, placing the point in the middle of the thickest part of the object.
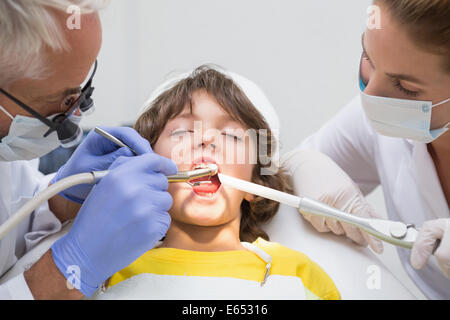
(401, 118)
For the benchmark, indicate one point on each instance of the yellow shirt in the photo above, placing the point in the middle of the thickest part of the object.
(287, 266)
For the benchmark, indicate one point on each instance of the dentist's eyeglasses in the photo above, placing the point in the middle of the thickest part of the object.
(66, 124)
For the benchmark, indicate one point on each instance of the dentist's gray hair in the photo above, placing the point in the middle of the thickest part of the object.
(26, 28)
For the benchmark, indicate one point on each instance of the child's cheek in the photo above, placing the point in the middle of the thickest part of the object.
(178, 197)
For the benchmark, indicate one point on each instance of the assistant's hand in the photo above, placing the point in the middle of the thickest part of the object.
(96, 153)
(431, 232)
(123, 217)
(316, 176)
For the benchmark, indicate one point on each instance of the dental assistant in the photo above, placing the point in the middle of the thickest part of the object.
(43, 68)
(393, 134)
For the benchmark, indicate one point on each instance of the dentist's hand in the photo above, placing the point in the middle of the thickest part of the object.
(432, 231)
(123, 217)
(316, 176)
(96, 153)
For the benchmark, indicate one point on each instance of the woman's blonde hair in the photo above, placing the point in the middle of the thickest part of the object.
(233, 100)
(427, 21)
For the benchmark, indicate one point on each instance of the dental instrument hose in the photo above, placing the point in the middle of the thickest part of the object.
(51, 191)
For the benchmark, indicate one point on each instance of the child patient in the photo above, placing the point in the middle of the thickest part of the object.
(215, 247)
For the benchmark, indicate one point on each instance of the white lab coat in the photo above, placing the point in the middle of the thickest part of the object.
(404, 169)
(19, 182)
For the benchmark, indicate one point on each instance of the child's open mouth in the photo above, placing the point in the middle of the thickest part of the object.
(205, 186)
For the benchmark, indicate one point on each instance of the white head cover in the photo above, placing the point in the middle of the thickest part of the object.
(253, 93)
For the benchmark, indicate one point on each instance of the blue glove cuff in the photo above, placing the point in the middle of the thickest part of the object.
(75, 265)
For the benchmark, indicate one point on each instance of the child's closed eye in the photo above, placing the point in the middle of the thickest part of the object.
(179, 132)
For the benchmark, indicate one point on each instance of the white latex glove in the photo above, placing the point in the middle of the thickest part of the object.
(430, 232)
(316, 176)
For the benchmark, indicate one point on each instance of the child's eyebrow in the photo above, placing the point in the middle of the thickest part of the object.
(185, 115)
(223, 118)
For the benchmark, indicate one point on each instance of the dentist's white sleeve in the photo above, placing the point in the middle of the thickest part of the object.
(349, 141)
(20, 181)
(15, 289)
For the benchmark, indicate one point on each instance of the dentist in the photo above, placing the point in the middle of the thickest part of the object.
(42, 65)
(395, 134)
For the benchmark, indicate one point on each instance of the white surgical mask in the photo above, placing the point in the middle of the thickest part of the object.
(25, 139)
(401, 118)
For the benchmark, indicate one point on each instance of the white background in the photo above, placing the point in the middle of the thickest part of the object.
(303, 54)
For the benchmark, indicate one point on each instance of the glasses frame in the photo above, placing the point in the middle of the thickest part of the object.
(58, 120)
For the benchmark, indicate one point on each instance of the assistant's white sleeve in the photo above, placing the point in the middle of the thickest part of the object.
(350, 141)
(15, 289)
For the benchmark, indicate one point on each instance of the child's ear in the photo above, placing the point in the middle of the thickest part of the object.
(249, 197)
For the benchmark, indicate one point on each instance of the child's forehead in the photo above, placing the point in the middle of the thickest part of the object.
(205, 107)
(194, 114)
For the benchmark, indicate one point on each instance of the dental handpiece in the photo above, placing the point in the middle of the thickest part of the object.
(187, 176)
(182, 176)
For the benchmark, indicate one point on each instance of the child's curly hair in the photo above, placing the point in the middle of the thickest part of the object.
(230, 97)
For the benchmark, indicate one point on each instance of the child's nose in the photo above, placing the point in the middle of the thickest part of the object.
(208, 141)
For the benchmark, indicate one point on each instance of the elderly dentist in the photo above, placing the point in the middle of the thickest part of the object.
(394, 135)
(42, 65)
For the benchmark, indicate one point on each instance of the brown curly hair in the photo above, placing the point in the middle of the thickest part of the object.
(232, 99)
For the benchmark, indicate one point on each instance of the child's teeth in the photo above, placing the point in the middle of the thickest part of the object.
(209, 194)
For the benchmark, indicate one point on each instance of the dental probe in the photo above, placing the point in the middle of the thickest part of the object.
(113, 139)
(181, 176)
(396, 233)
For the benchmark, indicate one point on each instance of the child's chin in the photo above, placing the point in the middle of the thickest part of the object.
(205, 219)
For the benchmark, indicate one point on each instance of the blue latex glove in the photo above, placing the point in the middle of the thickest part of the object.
(96, 153)
(123, 217)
